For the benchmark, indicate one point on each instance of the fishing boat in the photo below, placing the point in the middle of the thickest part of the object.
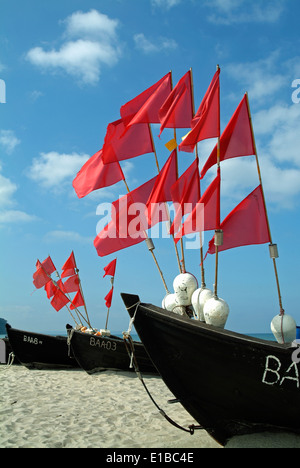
(95, 353)
(40, 351)
(230, 383)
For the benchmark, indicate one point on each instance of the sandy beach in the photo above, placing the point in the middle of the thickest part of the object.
(71, 409)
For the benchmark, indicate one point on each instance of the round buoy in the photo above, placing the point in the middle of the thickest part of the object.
(184, 285)
(170, 303)
(199, 297)
(284, 328)
(216, 312)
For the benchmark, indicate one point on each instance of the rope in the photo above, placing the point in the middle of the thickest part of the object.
(10, 361)
(130, 349)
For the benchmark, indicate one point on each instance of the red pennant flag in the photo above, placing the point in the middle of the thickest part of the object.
(206, 123)
(108, 298)
(161, 191)
(203, 216)
(144, 108)
(47, 265)
(59, 300)
(110, 269)
(129, 221)
(70, 263)
(185, 194)
(40, 278)
(71, 284)
(120, 144)
(246, 224)
(237, 138)
(95, 175)
(50, 289)
(177, 110)
(77, 301)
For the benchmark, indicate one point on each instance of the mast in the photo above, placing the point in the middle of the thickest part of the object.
(272, 247)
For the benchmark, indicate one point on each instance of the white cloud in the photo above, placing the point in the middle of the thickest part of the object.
(67, 236)
(166, 4)
(229, 12)
(89, 43)
(15, 216)
(8, 140)
(151, 46)
(7, 190)
(54, 170)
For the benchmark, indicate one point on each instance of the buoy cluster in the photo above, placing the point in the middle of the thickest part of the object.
(205, 305)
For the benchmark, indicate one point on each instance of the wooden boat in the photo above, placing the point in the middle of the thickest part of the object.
(39, 351)
(97, 353)
(231, 384)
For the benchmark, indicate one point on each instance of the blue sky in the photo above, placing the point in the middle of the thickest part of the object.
(68, 67)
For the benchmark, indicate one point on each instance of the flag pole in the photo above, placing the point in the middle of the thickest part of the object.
(167, 208)
(108, 309)
(203, 285)
(218, 232)
(272, 247)
(81, 292)
(151, 247)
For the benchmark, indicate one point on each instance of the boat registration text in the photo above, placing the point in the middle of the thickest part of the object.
(32, 340)
(106, 344)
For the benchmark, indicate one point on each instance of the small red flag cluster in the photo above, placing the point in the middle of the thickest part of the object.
(130, 136)
(110, 269)
(59, 290)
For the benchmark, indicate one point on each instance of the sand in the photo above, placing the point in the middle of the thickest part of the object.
(71, 409)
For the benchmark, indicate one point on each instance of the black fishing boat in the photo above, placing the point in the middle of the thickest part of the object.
(230, 383)
(39, 351)
(95, 353)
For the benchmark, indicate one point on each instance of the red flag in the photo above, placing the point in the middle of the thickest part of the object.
(128, 222)
(246, 224)
(185, 193)
(71, 284)
(50, 289)
(237, 138)
(144, 108)
(59, 300)
(70, 263)
(203, 216)
(110, 269)
(94, 175)
(77, 301)
(161, 191)
(177, 110)
(47, 265)
(108, 298)
(206, 123)
(40, 278)
(120, 144)
(68, 272)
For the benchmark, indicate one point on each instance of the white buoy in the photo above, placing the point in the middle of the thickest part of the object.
(184, 285)
(199, 297)
(170, 303)
(284, 328)
(216, 312)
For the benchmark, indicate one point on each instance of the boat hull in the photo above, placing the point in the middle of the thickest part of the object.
(39, 351)
(231, 384)
(98, 353)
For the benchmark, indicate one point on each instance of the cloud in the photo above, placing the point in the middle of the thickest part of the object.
(88, 43)
(8, 140)
(15, 216)
(67, 236)
(150, 46)
(228, 12)
(165, 4)
(54, 170)
(7, 190)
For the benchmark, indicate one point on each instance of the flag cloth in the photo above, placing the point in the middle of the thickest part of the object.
(70, 263)
(177, 110)
(185, 194)
(71, 284)
(120, 144)
(129, 221)
(237, 138)
(77, 301)
(95, 175)
(59, 300)
(161, 191)
(110, 269)
(50, 289)
(40, 278)
(68, 272)
(108, 298)
(144, 108)
(171, 145)
(47, 265)
(204, 215)
(206, 123)
(246, 224)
